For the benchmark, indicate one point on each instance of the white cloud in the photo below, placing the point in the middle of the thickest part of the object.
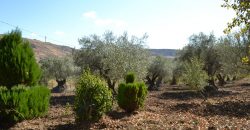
(104, 21)
(59, 33)
(90, 14)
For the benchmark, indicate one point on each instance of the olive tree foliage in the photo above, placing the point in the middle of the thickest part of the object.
(59, 68)
(194, 75)
(159, 69)
(202, 47)
(242, 11)
(232, 49)
(113, 56)
(241, 20)
(177, 72)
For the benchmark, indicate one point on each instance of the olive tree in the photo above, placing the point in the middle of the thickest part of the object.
(203, 47)
(232, 49)
(241, 20)
(58, 68)
(113, 56)
(158, 70)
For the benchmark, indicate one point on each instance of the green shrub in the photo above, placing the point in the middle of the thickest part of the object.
(194, 75)
(131, 96)
(130, 77)
(17, 61)
(93, 98)
(19, 103)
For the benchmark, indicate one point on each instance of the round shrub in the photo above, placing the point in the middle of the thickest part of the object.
(130, 77)
(17, 61)
(131, 96)
(93, 98)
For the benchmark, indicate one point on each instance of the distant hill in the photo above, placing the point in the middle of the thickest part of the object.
(44, 50)
(169, 53)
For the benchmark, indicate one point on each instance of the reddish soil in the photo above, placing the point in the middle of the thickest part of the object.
(172, 107)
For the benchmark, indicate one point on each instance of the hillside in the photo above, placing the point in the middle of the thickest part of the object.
(169, 53)
(44, 50)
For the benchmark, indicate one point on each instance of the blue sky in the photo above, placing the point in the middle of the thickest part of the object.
(168, 23)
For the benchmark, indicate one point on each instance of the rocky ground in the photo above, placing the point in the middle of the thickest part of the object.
(172, 107)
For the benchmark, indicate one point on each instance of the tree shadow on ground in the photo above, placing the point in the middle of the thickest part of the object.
(229, 108)
(245, 84)
(62, 100)
(180, 95)
(118, 115)
(190, 94)
(5, 125)
(184, 107)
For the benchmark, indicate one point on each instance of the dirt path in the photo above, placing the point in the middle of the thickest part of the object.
(173, 107)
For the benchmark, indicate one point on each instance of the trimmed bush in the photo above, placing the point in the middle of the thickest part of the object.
(20, 102)
(17, 61)
(93, 98)
(131, 96)
(130, 77)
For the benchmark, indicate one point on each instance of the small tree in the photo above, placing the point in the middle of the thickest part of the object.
(157, 71)
(112, 57)
(17, 62)
(58, 68)
(203, 47)
(177, 73)
(231, 50)
(194, 76)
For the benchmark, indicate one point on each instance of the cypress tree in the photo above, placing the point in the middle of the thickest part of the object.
(17, 61)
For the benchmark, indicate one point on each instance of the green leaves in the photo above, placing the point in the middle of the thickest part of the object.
(20, 102)
(113, 56)
(131, 95)
(159, 70)
(17, 62)
(193, 75)
(242, 11)
(93, 98)
(59, 68)
(130, 77)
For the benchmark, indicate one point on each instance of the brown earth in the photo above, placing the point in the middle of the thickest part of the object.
(45, 50)
(173, 107)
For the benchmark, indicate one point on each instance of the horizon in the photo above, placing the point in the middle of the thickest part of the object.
(169, 24)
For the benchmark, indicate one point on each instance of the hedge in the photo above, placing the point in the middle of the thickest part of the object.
(21, 102)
